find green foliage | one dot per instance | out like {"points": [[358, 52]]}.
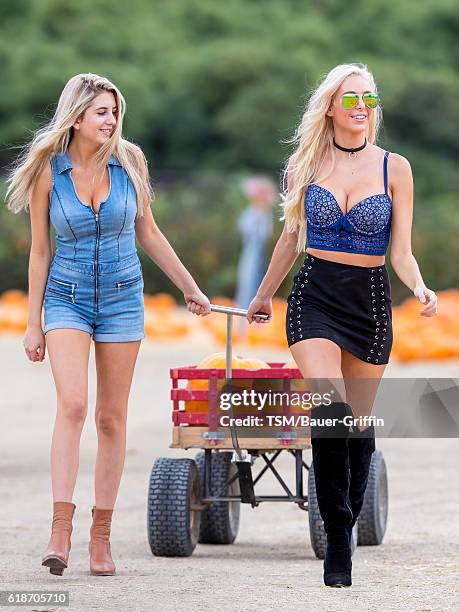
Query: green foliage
{"points": [[213, 88]]}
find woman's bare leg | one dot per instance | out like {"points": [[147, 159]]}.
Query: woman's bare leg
{"points": [[68, 351], [115, 362], [319, 360], [362, 381]]}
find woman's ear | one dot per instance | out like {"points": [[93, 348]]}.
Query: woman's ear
{"points": [[77, 123]]}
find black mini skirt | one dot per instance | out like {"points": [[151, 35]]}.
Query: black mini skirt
{"points": [[350, 305]]}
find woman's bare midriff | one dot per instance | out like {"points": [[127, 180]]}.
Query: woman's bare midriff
{"points": [[354, 259]]}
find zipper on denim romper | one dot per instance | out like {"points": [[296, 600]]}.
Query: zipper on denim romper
{"points": [[127, 283], [65, 285], [96, 284]]}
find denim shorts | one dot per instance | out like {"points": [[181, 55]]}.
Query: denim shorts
{"points": [[106, 302]]}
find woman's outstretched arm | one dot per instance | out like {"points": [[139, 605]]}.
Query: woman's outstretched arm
{"points": [[157, 247]]}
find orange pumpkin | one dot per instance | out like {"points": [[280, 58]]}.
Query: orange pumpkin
{"points": [[14, 297], [159, 301], [13, 311], [218, 361], [418, 337], [165, 325], [13, 318]]}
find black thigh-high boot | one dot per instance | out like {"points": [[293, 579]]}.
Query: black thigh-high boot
{"points": [[331, 470], [361, 447]]}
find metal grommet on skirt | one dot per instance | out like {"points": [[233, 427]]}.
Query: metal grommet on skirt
{"points": [[350, 305], [295, 299]]}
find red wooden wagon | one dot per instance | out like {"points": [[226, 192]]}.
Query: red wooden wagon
{"points": [[191, 500]]}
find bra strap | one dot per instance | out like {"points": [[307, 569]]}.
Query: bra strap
{"points": [[386, 155]]}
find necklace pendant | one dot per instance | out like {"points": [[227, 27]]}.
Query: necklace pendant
{"points": [[352, 155]]}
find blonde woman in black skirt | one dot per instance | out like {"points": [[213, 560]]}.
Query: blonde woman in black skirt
{"points": [[347, 197]]}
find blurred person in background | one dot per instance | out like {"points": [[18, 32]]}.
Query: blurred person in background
{"points": [[80, 175], [345, 196], [255, 226]]}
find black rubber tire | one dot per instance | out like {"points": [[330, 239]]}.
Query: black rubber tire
{"points": [[220, 521], [173, 527], [316, 524], [373, 516]]}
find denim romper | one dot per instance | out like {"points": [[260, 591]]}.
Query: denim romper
{"points": [[95, 280]]}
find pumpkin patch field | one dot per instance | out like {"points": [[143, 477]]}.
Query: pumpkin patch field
{"points": [[415, 337]]}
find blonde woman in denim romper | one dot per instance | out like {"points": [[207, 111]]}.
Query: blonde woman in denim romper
{"points": [[81, 176]]}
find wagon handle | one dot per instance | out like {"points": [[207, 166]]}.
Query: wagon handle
{"points": [[230, 312], [241, 312]]}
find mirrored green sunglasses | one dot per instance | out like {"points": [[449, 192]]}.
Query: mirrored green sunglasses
{"points": [[350, 100]]}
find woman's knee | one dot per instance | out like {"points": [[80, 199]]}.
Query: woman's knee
{"points": [[319, 360], [73, 408], [110, 423]]}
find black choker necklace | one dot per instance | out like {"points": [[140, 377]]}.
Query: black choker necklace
{"points": [[351, 151]]}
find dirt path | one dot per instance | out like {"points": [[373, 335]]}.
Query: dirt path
{"points": [[271, 566]]}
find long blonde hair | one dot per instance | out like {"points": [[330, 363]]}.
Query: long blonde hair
{"points": [[314, 140], [76, 97]]}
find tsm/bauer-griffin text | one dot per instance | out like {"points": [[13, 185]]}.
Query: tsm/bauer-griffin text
{"points": [[302, 420]]}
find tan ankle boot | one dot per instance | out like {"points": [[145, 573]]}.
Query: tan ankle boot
{"points": [[57, 554], [100, 557]]}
